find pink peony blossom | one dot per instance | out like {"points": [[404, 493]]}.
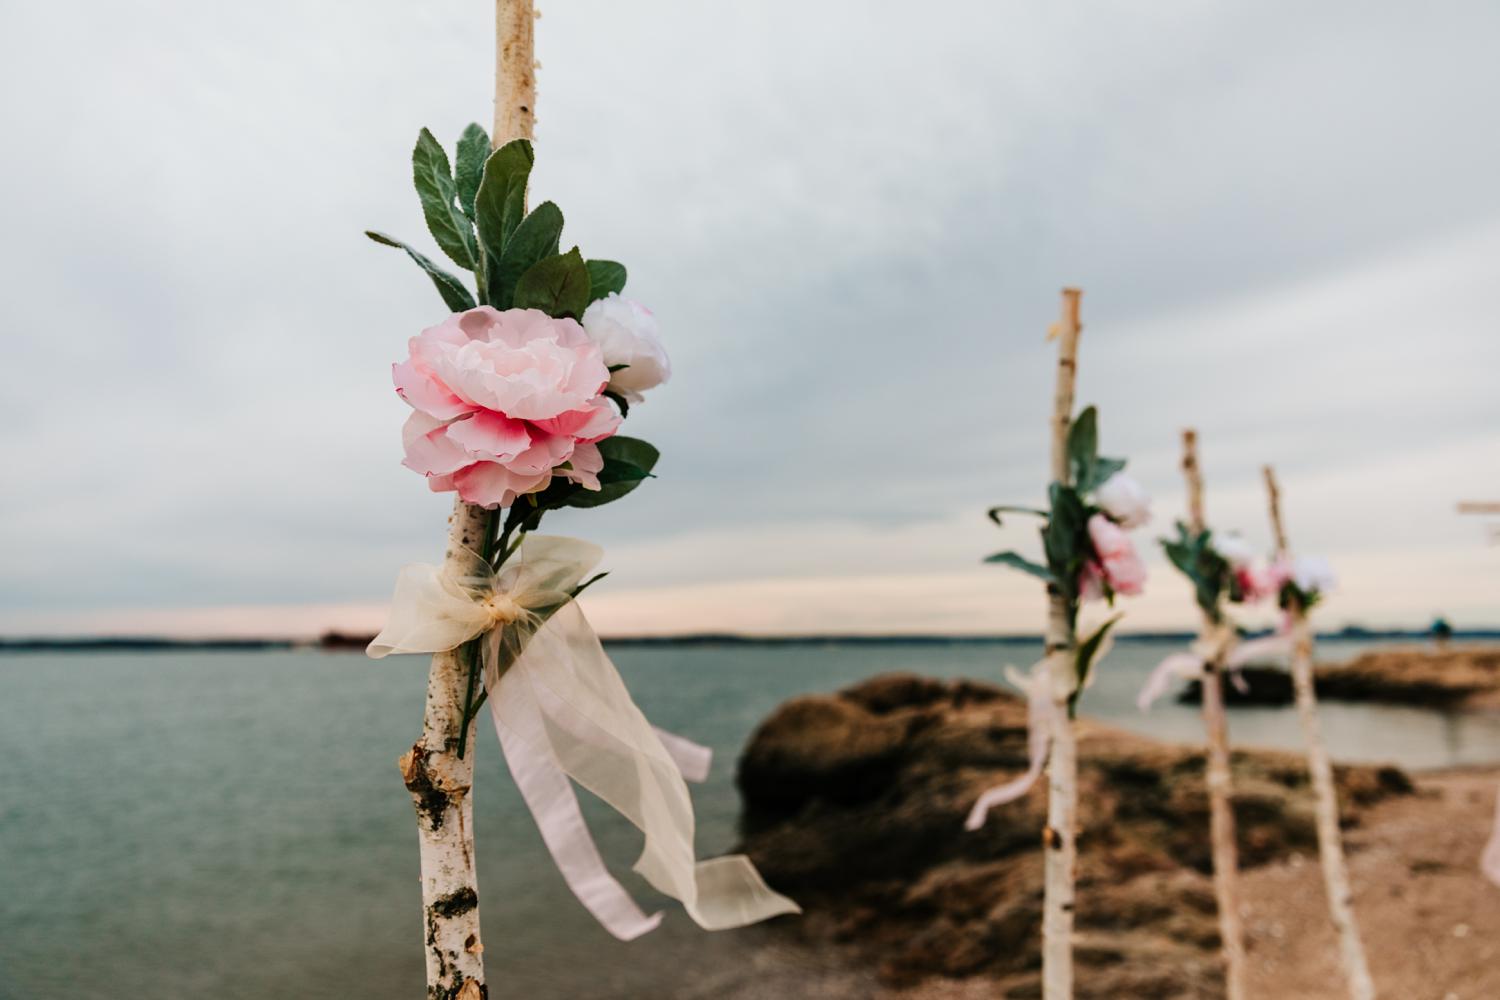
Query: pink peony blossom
{"points": [[1118, 560], [1258, 582], [503, 401]]}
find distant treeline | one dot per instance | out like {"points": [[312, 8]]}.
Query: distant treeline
{"points": [[338, 640]]}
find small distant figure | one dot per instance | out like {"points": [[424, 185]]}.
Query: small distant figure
{"points": [[1442, 632]]}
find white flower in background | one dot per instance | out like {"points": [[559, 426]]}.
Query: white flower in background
{"points": [[1313, 574], [1234, 549], [1125, 501], [626, 332]]}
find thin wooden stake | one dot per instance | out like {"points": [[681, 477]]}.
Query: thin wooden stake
{"points": [[1330, 841], [1215, 723], [1060, 844], [439, 780]]}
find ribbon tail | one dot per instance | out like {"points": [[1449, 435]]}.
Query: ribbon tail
{"points": [[598, 737], [1161, 678], [1271, 647], [693, 759], [1039, 718], [1489, 862], [550, 797]]}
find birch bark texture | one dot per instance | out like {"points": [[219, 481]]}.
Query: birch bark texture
{"points": [[1060, 838], [1320, 769], [1216, 726], [440, 782]]}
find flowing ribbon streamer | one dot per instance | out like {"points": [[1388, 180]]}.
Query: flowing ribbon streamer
{"points": [[561, 712], [1041, 716], [1489, 862], [1222, 645]]}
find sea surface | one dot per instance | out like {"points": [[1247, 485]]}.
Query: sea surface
{"points": [[231, 824]]}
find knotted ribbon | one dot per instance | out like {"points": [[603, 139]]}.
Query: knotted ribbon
{"points": [[1047, 687], [561, 711], [1221, 645]]}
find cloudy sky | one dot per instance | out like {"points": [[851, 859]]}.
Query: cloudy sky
{"points": [[852, 220]]}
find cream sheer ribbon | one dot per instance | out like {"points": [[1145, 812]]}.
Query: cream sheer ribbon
{"points": [[1222, 644], [1044, 687], [562, 712]]}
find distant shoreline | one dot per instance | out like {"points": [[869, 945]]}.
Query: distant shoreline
{"points": [[335, 641]]}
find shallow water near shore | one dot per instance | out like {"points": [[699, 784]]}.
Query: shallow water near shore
{"points": [[232, 824]]}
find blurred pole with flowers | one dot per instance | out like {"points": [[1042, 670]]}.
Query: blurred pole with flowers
{"points": [[1088, 557], [1221, 809], [1299, 592]]}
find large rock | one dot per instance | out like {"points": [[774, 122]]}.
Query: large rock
{"points": [[1452, 678], [854, 804]]}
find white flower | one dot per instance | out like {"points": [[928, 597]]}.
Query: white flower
{"points": [[1313, 574], [626, 332], [1125, 501], [1235, 549]]}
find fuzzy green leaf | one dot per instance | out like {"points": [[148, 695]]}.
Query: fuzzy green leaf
{"points": [[627, 463], [438, 194], [1065, 539], [534, 240], [454, 294], [1083, 447], [994, 512], [468, 166], [605, 276], [1088, 650], [557, 285], [500, 202], [1017, 561]]}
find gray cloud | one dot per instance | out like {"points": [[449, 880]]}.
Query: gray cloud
{"points": [[852, 221]]}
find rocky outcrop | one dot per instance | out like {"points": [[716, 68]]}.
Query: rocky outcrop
{"points": [[854, 804], [1454, 678]]}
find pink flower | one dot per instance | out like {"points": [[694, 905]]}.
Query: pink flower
{"points": [[1257, 583], [503, 401], [1120, 564]]}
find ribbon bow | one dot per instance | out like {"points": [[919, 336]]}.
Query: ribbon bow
{"points": [[1222, 645], [562, 712]]}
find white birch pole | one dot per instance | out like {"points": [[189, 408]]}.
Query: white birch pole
{"points": [[439, 780], [1059, 839], [1220, 808], [1330, 841]]}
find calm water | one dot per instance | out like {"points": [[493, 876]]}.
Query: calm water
{"points": [[232, 825]]}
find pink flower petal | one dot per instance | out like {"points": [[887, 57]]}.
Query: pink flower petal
{"points": [[422, 391], [585, 466], [489, 484], [490, 435], [594, 422], [430, 449]]}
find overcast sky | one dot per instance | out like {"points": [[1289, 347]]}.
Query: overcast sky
{"points": [[852, 220]]}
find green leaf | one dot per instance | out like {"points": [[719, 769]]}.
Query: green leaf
{"points": [[994, 512], [534, 240], [500, 202], [454, 294], [558, 286], [1100, 472], [435, 187], [605, 276], [627, 463], [1194, 556], [1017, 561], [1065, 539], [468, 166], [1083, 447], [1084, 659]]}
